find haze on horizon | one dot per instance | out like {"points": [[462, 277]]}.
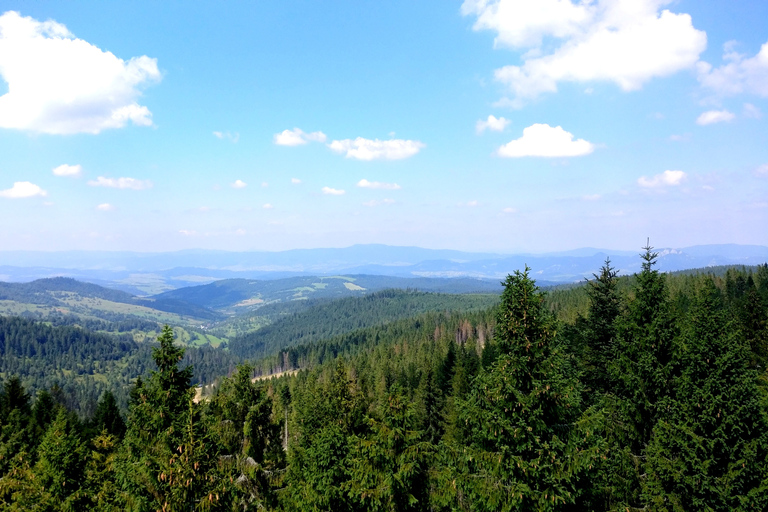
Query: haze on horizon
{"points": [[500, 126]]}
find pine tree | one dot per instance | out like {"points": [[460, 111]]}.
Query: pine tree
{"points": [[643, 374], [388, 467], [167, 459], [60, 466], [710, 451], [600, 335], [526, 451], [107, 417], [647, 365]]}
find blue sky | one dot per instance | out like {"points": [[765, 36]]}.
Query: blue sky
{"points": [[265, 126]]}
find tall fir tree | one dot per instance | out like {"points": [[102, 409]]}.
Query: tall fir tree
{"points": [[710, 451], [525, 450]]}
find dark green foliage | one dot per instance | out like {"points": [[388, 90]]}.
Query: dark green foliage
{"points": [[330, 319], [627, 393], [525, 450], [107, 417], [709, 450], [388, 467], [600, 328]]}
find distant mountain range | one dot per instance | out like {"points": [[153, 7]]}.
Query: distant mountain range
{"points": [[153, 273]]}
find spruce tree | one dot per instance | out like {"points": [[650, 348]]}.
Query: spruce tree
{"points": [[60, 466], [388, 467], [710, 451], [525, 450], [600, 335], [168, 460]]}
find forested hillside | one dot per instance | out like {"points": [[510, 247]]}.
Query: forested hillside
{"points": [[327, 319], [644, 393]]}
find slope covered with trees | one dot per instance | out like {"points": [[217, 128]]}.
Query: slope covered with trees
{"points": [[645, 395]]}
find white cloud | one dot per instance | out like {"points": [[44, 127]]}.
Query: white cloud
{"points": [[238, 184], [627, 42], [665, 179], [333, 191], [23, 189], [367, 149], [226, 135], [375, 202], [240, 232], [72, 171], [105, 207], [60, 84], [187, 232], [762, 171], [509, 210], [129, 183], [267, 206], [297, 137], [296, 181], [714, 116], [591, 197], [378, 185], [545, 141], [492, 123], [752, 111], [739, 75], [264, 184]]}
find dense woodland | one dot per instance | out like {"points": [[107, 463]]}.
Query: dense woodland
{"points": [[641, 393]]}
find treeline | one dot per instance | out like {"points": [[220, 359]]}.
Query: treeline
{"points": [[649, 400]]}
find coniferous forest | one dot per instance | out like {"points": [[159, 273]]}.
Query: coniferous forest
{"points": [[647, 392]]}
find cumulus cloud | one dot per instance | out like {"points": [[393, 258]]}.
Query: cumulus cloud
{"points": [[188, 232], [23, 189], [738, 75], [333, 191], [367, 149], [129, 183], [234, 137], [714, 116], [545, 141], [59, 84], [72, 171], [665, 179], [378, 185], [295, 181], [267, 206], [627, 42], [492, 123], [105, 207], [297, 137], [238, 184]]}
